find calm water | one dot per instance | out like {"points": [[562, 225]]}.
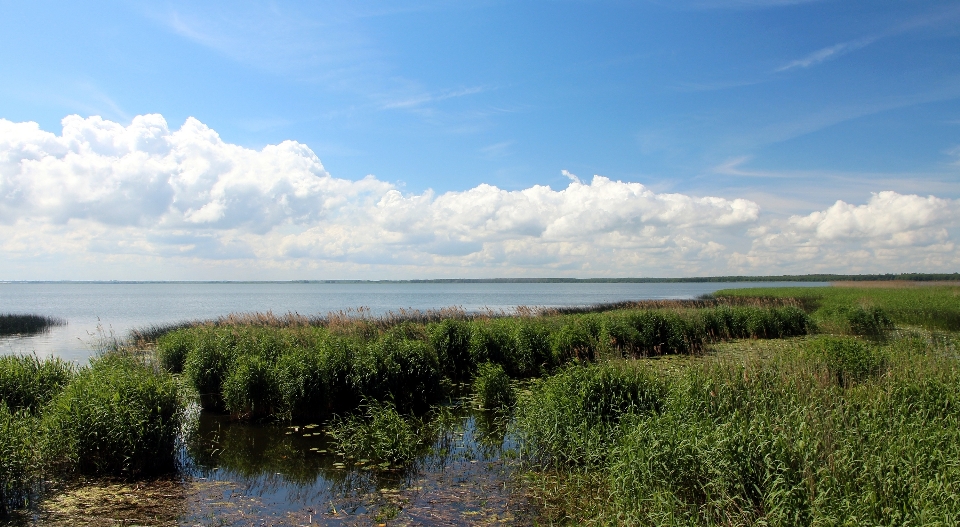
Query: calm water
{"points": [[119, 307]]}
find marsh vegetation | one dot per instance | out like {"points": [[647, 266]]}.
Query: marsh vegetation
{"points": [[26, 324], [782, 406]]}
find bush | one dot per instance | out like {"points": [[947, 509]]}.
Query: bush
{"points": [[117, 417], [27, 382], [491, 387]]}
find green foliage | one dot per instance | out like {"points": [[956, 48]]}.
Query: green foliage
{"points": [[378, 433], [770, 441], [173, 347], [28, 383], [117, 417], [451, 341], [930, 307], [848, 360], [19, 457], [491, 387], [868, 321], [309, 372], [569, 418]]}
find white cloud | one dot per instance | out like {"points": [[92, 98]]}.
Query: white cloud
{"points": [[144, 198]]}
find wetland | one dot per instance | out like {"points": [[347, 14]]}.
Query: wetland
{"points": [[756, 406]]}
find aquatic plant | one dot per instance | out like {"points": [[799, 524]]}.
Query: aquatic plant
{"points": [[19, 457], [491, 387], [26, 382], [378, 433], [570, 418], [27, 324], [307, 372], [831, 431], [117, 417]]}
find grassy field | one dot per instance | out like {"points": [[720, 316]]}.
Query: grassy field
{"points": [[934, 307]]}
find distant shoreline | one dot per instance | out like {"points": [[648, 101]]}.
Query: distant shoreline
{"points": [[903, 277]]}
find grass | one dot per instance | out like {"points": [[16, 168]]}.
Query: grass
{"points": [[26, 324], [256, 368], [837, 429], [838, 309], [116, 417], [28, 383]]}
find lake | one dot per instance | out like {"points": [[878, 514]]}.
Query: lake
{"points": [[96, 310]]}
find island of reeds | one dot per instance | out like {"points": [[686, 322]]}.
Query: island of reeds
{"points": [[795, 406], [26, 324]]}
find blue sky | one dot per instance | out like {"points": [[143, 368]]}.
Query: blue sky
{"points": [[788, 105]]}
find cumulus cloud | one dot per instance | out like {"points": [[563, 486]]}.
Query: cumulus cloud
{"points": [[146, 195]]}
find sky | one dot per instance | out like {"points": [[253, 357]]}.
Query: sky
{"points": [[477, 138]]}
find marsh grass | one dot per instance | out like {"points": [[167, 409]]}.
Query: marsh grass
{"points": [[27, 324], [492, 389], [933, 307], [824, 431], [19, 458], [117, 417], [28, 383], [378, 434], [292, 369]]}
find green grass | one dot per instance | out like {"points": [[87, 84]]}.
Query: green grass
{"points": [[307, 372], [835, 308], [822, 431], [19, 457], [491, 387], [117, 417], [28, 383]]}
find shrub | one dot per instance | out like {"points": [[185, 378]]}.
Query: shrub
{"points": [[117, 417], [29, 383], [491, 387]]}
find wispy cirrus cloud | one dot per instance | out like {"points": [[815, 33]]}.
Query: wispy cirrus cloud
{"points": [[827, 53]]}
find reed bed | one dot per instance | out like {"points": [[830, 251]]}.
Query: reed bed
{"points": [[27, 324], [255, 368], [116, 417]]}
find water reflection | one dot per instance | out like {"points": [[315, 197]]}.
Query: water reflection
{"points": [[281, 472]]}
